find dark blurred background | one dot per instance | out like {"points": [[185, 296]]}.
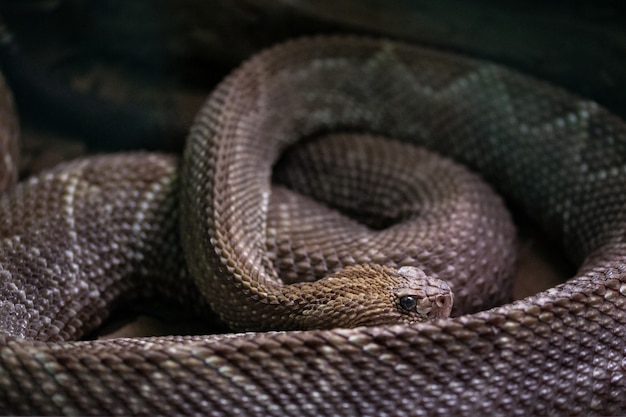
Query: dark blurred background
{"points": [[164, 55]]}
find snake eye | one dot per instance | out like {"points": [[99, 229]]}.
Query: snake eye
{"points": [[408, 302]]}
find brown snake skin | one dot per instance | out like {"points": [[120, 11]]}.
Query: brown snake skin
{"points": [[557, 157]]}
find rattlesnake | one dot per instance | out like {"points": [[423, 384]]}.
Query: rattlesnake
{"points": [[557, 157]]}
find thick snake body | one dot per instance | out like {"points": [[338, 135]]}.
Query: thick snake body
{"points": [[557, 157]]}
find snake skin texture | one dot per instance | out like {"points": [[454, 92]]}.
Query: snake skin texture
{"points": [[557, 157]]}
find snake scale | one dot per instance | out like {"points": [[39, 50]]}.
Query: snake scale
{"points": [[557, 157]]}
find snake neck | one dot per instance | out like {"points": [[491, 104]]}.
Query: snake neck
{"points": [[362, 295]]}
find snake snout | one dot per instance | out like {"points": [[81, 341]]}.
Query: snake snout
{"points": [[442, 306]]}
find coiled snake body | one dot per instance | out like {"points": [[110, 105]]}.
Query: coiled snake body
{"points": [[560, 158]]}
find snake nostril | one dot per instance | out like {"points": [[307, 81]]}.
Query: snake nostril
{"points": [[441, 301], [441, 307]]}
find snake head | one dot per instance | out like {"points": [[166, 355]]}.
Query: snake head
{"points": [[427, 297]]}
